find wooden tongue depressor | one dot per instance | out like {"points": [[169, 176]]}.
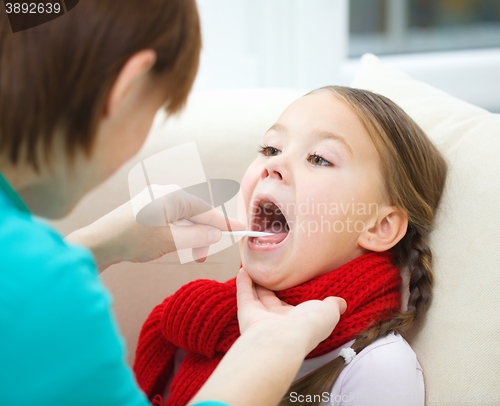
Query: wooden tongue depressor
{"points": [[246, 233]]}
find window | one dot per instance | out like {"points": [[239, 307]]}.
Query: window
{"points": [[453, 45], [408, 26]]}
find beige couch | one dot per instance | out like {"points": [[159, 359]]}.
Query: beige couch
{"points": [[458, 342]]}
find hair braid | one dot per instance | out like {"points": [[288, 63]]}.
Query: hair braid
{"points": [[419, 264]]}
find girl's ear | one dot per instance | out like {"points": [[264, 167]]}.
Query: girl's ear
{"points": [[387, 229]]}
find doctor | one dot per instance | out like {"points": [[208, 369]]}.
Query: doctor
{"points": [[77, 99]]}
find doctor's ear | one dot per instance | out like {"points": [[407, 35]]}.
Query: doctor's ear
{"points": [[386, 230], [134, 68]]}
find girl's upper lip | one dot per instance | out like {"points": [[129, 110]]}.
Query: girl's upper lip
{"points": [[267, 198]]}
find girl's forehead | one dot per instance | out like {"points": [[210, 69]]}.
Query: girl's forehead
{"points": [[321, 108], [321, 112], [323, 120]]}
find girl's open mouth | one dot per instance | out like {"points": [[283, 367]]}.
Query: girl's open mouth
{"points": [[267, 217]]}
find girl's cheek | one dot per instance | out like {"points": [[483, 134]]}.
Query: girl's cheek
{"points": [[248, 184], [242, 212]]}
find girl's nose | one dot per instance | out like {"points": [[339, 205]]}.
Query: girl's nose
{"points": [[266, 173], [274, 170]]}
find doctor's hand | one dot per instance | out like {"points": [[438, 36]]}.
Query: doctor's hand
{"points": [[118, 237], [309, 322], [275, 338]]}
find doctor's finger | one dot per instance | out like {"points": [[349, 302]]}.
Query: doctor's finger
{"points": [[245, 289], [267, 297], [200, 254], [182, 205], [215, 218], [195, 236]]}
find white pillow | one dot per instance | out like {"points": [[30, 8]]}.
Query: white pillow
{"points": [[458, 342]]}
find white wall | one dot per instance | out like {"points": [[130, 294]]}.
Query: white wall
{"points": [[271, 43], [304, 44]]}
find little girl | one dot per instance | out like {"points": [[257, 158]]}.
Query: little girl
{"points": [[348, 184]]}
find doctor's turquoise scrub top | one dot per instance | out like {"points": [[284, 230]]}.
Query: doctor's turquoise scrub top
{"points": [[59, 340]]}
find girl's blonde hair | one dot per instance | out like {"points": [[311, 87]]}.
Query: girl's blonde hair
{"points": [[414, 172]]}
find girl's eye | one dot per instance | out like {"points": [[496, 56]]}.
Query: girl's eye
{"points": [[266, 150], [318, 160]]}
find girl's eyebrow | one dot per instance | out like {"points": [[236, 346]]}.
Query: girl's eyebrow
{"points": [[277, 127], [327, 135], [322, 135]]}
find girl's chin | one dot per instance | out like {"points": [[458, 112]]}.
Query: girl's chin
{"points": [[263, 275]]}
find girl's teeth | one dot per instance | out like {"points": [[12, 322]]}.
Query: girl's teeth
{"points": [[254, 240], [266, 205]]}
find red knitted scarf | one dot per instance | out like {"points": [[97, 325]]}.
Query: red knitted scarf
{"points": [[201, 318]]}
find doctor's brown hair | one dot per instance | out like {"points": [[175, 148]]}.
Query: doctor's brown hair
{"points": [[414, 172], [56, 77]]}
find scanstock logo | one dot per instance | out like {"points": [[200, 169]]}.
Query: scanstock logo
{"points": [[24, 15], [176, 175]]}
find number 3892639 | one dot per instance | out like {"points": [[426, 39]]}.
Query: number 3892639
{"points": [[33, 8]]}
